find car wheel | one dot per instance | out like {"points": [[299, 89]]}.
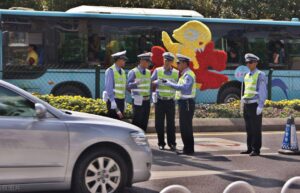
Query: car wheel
{"points": [[100, 171], [230, 94]]}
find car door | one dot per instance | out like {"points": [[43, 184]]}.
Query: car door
{"points": [[32, 150]]}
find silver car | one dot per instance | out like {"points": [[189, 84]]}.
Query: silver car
{"points": [[43, 148]]}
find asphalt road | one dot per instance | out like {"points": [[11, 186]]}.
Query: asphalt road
{"points": [[218, 163]]}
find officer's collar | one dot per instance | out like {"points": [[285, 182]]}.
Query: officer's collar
{"points": [[185, 70], [168, 70], [117, 67], [140, 68], [253, 72]]}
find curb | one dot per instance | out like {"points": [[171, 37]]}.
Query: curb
{"points": [[227, 125]]}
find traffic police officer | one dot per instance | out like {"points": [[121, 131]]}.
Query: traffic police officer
{"points": [[254, 97], [165, 104], [185, 94], [139, 84], [115, 86]]}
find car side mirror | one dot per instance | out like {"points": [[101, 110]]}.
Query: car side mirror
{"points": [[40, 110]]}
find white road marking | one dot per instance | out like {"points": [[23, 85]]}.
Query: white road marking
{"points": [[157, 175]]}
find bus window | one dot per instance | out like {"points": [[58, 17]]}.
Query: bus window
{"points": [[293, 48], [95, 49], [230, 38], [23, 45], [268, 44], [133, 36], [22, 49], [144, 45], [72, 40], [277, 55]]}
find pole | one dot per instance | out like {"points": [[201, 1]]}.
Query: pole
{"points": [[241, 101], [270, 84], [97, 81]]}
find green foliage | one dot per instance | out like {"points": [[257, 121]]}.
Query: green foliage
{"points": [[250, 9], [279, 109], [81, 104]]}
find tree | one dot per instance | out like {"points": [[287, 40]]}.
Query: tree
{"points": [[246, 9], [5, 4]]}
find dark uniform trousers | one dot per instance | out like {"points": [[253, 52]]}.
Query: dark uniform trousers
{"points": [[165, 108], [141, 115], [112, 112], [253, 127], [186, 113]]}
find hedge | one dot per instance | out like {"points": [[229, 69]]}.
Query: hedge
{"points": [[272, 109], [81, 104], [278, 109]]}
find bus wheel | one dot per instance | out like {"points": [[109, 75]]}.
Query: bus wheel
{"points": [[230, 94], [72, 90]]}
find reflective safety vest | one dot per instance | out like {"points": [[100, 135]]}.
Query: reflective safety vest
{"points": [[143, 88], [166, 91], [251, 85], [181, 81], [120, 83]]}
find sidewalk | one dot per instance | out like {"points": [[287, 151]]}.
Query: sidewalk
{"points": [[227, 125]]}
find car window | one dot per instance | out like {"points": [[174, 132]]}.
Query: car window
{"points": [[12, 104]]}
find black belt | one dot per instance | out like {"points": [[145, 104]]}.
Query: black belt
{"points": [[191, 99], [165, 98]]}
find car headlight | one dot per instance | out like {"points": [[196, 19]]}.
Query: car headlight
{"points": [[139, 138]]}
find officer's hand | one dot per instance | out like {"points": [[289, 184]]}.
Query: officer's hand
{"points": [[154, 97], [156, 82], [113, 105], [105, 96], [137, 82], [168, 83], [259, 110], [120, 115]]}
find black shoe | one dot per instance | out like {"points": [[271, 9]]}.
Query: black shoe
{"points": [[161, 147], [181, 152], [172, 147], [254, 153], [246, 152]]}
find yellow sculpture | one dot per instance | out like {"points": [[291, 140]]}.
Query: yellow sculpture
{"points": [[191, 36]]}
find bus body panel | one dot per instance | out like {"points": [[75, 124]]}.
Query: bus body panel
{"points": [[45, 83], [146, 17], [286, 81]]}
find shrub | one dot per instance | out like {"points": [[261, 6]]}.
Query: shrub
{"points": [[273, 109], [81, 104]]}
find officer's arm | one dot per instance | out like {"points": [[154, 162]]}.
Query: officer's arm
{"points": [[262, 90], [188, 82], [154, 78], [130, 82], [109, 84]]}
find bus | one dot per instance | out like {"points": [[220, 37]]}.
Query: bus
{"points": [[70, 45]]}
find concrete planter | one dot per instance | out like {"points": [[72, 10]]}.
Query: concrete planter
{"points": [[227, 125]]}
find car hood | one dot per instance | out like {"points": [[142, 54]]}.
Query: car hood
{"points": [[90, 118]]}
